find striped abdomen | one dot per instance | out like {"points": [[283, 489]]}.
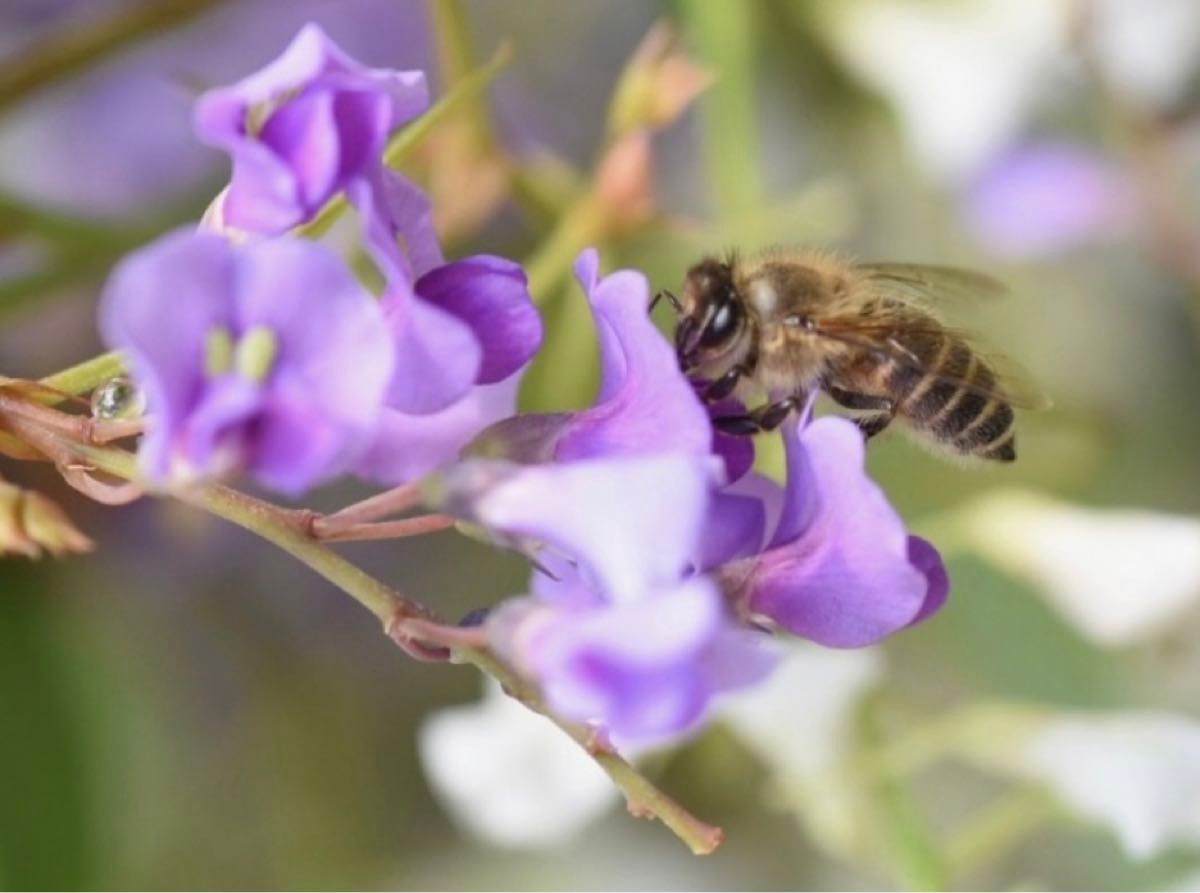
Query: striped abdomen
{"points": [[951, 395]]}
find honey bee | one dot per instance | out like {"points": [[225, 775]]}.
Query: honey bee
{"points": [[791, 322]]}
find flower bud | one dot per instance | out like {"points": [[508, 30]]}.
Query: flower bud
{"points": [[31, 523], [658, 84]]}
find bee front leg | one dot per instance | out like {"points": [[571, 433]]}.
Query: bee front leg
{"points": [[765, 418]]}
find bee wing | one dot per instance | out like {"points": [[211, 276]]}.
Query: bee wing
{"points": [[930, 284], [886, 342]]}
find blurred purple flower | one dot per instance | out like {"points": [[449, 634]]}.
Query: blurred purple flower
{"points": [[621, 636], [462, 336], [645, 405], [840, 568], [1038, 200], [308, 125], [269, 358]]}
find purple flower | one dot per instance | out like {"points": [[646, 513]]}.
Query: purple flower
{"points": [[840, 567], [1043, 199], [462, 335], [645, 404], [270, 357], [303, 128], [621, 636]]}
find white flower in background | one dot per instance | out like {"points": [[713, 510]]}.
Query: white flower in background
{"points": [[962, 76], [510, 777], [800, 725], [1119, 575], [966, 77], [1148, 49], [1137, 773]]}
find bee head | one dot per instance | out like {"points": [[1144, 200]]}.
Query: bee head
{"points": [[712, 313]]}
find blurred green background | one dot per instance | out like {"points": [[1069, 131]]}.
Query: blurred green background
{"points": [[186, 707]]}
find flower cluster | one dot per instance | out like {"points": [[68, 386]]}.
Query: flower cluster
{"points": [[664, 563], [260, 351], [661, 570]]}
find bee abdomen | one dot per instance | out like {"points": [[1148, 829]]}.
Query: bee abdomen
{"points": [[959, 404]]}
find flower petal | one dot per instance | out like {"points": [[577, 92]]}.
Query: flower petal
{"points": [[633, 521], [846, 580], [332, 339], [491, 295], [408, 447], [437, 355], [645, 404], [531, 786], [158, 306], [925, 558]]}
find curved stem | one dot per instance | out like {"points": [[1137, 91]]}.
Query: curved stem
{"points": [[290, 531]]}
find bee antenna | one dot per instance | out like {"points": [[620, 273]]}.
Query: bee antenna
{"points": [[670, 296]]}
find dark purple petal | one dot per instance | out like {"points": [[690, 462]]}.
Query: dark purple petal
{"points": [[437, 355], [645, 404], [159, 305], [1042, 199], [632, 521], [845, 580], [491, 295], [925, 558], [408, 447], [214, 434], [736, 452], [304, 137]]}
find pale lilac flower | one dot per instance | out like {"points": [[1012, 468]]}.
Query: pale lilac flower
{"points": [[621, 635], [269, 358], [462, 337], [1042, 199], [310, 125], [840, 568]]}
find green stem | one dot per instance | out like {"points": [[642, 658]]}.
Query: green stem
{"points": [[723, 36], [997, 829], [280, 527], [918, 860], [88, 375], [642, 797], [62, 56]]}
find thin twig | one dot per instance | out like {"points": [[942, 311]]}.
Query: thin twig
{"points": [[389, 502], [384, 530]]}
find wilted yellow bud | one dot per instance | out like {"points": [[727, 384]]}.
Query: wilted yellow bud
{"points": [[31, 523], [658, 84]]}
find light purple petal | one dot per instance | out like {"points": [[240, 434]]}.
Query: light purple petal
{"points": [[925, 558], [734, 528], [297, 443], [846, 579], [158, 306], [1042, 199], [643, 671], [408, 447], [491, 295], [645, 403], [437, 355], [410, 213], [326, 119], [332, 338], [660, 502]]}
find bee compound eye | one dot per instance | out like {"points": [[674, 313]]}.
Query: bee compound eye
{"points": [[721, 325]]}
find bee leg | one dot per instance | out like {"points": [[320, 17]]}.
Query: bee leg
{"points": [[856, 400], [871, 425], [772, 415], [737, 425], [724, 386]]}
